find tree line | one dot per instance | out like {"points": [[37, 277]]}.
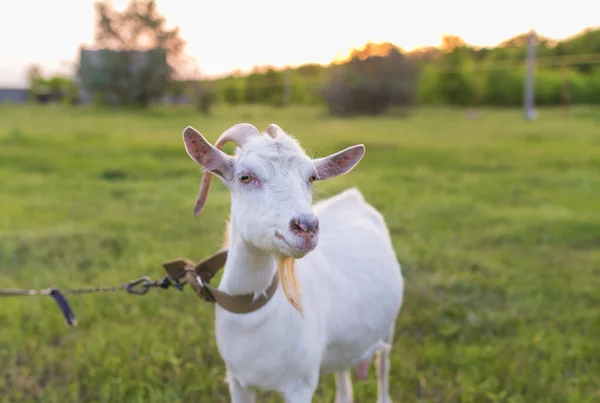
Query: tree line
{"points": [[456, 73], [138, 60]]}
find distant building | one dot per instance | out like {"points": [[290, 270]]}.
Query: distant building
{"points": [[95, 72], [14, 95], [93, 57]]}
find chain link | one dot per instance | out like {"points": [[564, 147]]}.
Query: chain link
{"points": [[138, 286]]}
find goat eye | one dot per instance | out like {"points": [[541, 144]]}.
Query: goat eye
{"points": [[312, 178], [245, 178]]}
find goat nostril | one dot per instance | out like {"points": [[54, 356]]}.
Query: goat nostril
{"points": [[297, 226], [304, 225]]}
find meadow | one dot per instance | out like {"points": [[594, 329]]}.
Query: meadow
{"points": [[496, 222]]}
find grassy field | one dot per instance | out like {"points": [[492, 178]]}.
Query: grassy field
{"points": [[496, 223]]}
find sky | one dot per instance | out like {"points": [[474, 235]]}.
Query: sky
{"points": [[226, 35]]}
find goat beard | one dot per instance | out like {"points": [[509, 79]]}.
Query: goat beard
{"points": [[286, 271]]}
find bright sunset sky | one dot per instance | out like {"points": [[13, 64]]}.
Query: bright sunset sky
{"points": [[228, 35]]}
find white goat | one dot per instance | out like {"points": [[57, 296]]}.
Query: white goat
{"points": [[351, 283]]}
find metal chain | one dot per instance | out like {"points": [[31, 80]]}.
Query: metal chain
{"points": [[138, 286]]}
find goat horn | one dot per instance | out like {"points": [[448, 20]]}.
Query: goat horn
{"points": [[239, 134], [272, 130]]}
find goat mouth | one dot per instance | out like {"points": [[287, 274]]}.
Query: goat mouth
{"points": [[287, 243], [279, 236]]}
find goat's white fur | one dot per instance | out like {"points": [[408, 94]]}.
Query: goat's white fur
{"points": [[351, 285]]}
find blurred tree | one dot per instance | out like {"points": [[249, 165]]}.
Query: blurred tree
{"points": [[176, 89], [274, 87], [373, 84], [586, 43], [137, 55], [140, 27], [372, 49], [457, 84], [36, 82], [34, 74], [452, 73], [451, 42], [256, 91]]}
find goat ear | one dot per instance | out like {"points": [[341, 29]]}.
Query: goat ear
{"points": [[207, 155], [339, 163]]}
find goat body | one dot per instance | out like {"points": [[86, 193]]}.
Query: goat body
{"points": [[352, 292], [351, 286]]}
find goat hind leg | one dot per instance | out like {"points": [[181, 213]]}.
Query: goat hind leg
{"points": [[343, 387], [382, 364]]}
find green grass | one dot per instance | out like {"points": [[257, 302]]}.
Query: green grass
{"points": [[496, 223]]}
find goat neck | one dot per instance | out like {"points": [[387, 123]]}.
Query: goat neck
{"points": [[248, 269]]}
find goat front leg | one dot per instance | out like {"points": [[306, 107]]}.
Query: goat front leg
{"points": [[343, 387], [239, 394], [300, 392]]}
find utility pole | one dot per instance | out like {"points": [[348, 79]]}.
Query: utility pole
{"points": [[529, 96], [287, 90]]}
